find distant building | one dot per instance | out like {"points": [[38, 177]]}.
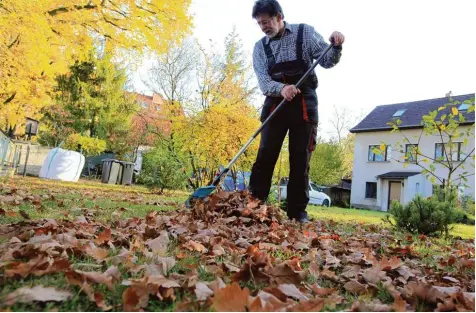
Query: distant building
{"points": [[377, 179]]}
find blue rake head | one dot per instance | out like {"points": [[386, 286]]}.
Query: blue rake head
{"points": [[198, 194]]}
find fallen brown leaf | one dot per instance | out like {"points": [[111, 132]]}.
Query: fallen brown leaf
{"points": [[399, 305], [292, 291], [355, 287], [321, 291], [202, 291], [313, 305], [231, 298], [24, 215], [104, 236], [159, 245], [37, 293], [97, 253]]}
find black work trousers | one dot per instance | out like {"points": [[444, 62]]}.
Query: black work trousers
{"points": [[292, 117]]}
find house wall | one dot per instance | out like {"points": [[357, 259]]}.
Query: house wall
{"points": [[366, 171]]}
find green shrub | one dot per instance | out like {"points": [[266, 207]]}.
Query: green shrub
{"points": [[467, 204], [89, 146], [162, 170], [428, 216], [462, 217]]}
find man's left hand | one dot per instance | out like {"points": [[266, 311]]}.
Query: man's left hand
{"points": [[337, 39]]}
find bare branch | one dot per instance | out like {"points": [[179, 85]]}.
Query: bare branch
{"points": [[57, 11], [14, 42], [464, 160]]}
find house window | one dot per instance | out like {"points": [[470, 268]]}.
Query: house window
{"points": [[411, 153], [371, 190], [379, 157], [144, 104], [463, 107], [457, 153], [399, 113]]}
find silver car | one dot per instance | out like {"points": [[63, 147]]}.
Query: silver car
{"points": [[316, 194]]}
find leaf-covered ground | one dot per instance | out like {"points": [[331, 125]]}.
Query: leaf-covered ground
{"points": [[97, 247]]}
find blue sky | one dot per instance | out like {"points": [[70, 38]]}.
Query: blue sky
{"points": [[395, 51]]}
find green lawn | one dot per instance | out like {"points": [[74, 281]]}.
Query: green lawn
{"points": [[137, 201], [373, 217]]}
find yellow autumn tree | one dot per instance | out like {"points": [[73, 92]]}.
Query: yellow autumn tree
{"points": [[40, 39], [214, 136]]}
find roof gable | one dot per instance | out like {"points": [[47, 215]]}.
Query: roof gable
{"points": [[411, 116]]}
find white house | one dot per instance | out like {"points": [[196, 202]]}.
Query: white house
{"points": [[380, 178]]}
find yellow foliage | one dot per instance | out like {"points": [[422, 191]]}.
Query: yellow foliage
{"points": [[39, 39], [89, 146], [215, 135]]}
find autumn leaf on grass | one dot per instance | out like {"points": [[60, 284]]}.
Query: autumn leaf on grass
{"points": [[459, 301], [77, 279], [99, 299], [24, 215], [231, 298], [292, 291], [98, 254], [466, 263], [11, 213], [321, 291], [355, 287], [37, 293], [374, 306], [103, 237], [252, 269], [39, 266], [399, 305], [266, 302], [202, 291], [284, 273], [195, 246], [384, 264], [159, 244], [217, 284], [373, 275], [313, 305], [108, 278], [165, 264], [134, 299], [405, 272]]}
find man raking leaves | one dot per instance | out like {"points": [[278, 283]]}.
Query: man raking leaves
{"points": [[282, 61]]}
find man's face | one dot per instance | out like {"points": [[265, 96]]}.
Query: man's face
{"points": [[269, 25]]}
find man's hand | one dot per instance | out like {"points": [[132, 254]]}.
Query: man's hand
{"points": [[289, 92], [337, 38]]}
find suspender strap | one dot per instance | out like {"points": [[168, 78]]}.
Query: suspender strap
{"points": [[269, 54], [299, 42]]}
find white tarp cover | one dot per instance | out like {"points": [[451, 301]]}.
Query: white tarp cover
{"points": [[62, 165]]}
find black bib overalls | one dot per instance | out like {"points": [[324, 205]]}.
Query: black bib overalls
{"points": [[300, 118]]}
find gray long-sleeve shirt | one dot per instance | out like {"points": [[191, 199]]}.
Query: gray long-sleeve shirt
{"points": [[284, 49]]}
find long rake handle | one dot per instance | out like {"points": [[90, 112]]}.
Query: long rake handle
{"points": [[243, 149]]}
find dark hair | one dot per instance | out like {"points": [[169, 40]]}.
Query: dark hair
{"points": [[271, 7]]}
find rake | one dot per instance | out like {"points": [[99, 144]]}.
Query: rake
{"points": [[205, 191]]}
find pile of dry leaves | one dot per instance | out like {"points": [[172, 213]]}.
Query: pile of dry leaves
{"points": [[260, 261]]}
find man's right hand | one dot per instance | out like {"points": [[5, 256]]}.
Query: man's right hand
{"points": [[289, 92]]}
